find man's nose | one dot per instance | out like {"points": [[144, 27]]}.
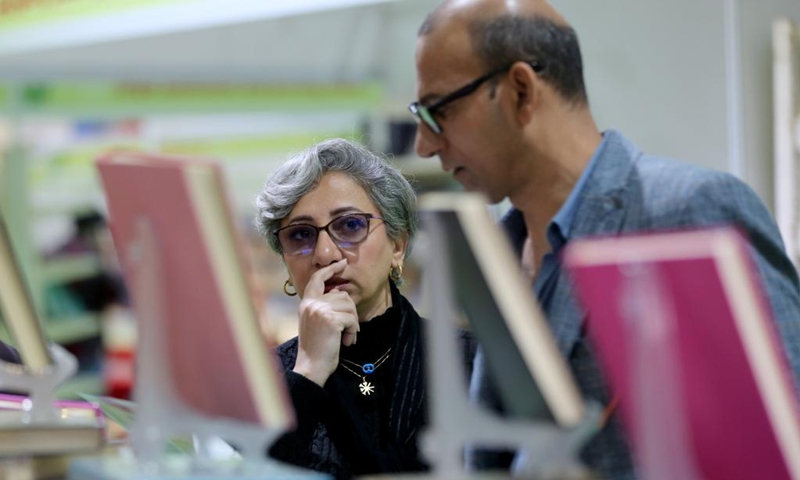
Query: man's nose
{"points": [[426, 143]]}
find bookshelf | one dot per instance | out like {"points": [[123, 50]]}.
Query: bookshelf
{"points": [[73, 328], [426, 172], [40, 271], [246, 155], [786, 130], [349, 76], [65, 268]]}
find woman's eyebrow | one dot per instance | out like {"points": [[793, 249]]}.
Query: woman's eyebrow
{"points": [[300, 218], [341, 210], [332, 213]]}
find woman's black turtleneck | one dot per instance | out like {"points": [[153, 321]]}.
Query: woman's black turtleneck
{"points": [[345, 433]]}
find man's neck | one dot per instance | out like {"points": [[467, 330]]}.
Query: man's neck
{"points": [[559, 164]]}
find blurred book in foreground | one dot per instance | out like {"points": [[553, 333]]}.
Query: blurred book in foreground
{"points": [[26, 462], [79, 428], [685, 334], [121, 414], [204, 369]]}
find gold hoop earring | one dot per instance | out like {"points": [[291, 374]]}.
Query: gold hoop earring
{"points": [[286, 286], [396, 273]]}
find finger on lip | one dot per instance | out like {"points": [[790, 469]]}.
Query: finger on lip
{"points": [[334, 283], [337, 266], [317, 282], [330, 271]]}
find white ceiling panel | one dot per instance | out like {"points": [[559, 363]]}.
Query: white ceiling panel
{"points": [[338, 45]]}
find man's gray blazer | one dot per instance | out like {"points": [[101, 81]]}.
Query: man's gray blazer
{"points": [[629, 191]]}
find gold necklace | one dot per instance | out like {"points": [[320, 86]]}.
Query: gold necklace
{"points": [[365, 387]]}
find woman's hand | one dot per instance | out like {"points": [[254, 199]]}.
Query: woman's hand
{"points": [[327, 320]]}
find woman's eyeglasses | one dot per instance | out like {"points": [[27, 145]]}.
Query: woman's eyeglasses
{"points": [[345, 231]]}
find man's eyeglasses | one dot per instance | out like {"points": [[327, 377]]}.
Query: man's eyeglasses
{"points": [[426, 114], [345, 231]]}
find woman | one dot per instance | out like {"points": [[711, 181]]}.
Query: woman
{"points": [[342, 218]]}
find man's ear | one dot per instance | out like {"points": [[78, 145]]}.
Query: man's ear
{"points": [[525, 91]]}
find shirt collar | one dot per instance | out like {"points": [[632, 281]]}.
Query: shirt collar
{"points": [[561, 224]]}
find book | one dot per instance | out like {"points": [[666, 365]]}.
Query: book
{"points": [[685, 337], [41, 467], [69, 434], [78, 427], [19, 310], [65, 408], [27, 426], [532, 377], [121, 414], [217, 361]]}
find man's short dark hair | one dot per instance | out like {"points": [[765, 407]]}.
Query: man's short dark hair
{"points": [[503, 40]]}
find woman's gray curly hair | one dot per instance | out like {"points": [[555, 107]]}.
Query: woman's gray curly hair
{"points": [[301, 173]]}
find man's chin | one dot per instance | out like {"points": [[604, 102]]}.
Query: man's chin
{"points": [[489, 198]]}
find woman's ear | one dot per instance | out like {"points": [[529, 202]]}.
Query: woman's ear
{"points": [[399, 245]]}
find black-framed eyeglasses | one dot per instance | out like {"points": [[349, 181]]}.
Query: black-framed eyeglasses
{"points": [[426, 114], [345, 231]]}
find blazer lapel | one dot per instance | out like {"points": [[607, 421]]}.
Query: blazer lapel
{"points": [[608, 199]]}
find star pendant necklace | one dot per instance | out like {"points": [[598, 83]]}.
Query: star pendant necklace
{"points": [[365, 387]]}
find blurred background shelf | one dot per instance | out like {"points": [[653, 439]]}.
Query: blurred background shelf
{"points": [[83, 383], [427, 172], [69, 267], [73, 328]]}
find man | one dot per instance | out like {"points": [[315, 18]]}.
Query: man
{"points": [[502, 103]]}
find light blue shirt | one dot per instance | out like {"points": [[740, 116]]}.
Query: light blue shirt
{"points": [[558, 234]]}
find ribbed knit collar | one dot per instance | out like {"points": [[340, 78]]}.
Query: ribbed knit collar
{"points": [[378, 335]]}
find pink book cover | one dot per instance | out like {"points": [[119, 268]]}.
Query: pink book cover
{"points": [[685, 337], [206, 361]]}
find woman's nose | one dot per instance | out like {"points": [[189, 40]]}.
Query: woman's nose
{"points": [[326, 251]]}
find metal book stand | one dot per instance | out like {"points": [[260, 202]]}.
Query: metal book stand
{"points": [[545, 449], [39, 384], [161, 415]]}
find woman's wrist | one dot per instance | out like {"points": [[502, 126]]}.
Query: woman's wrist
{"points": [[315, 374]]}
